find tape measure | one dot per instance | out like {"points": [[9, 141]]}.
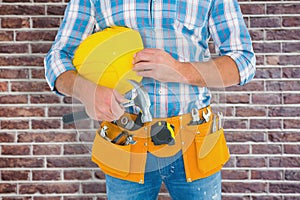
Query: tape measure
{"points": [[162, 132]]}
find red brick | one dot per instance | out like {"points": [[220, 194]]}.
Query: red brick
{"points": [[45, 22], [235, 124], [266, 174], [15, 175], [267, 73], [99, 175], [266, 149], [164, 197], [291, 98], [48, 188], [230, 163], [22, 10], [15, 22], [38, 74], [66, 162], [14, 124], [269, 197], [3, 86], [283, 34], [7, 137], [235, 174], [271, 60], [15, 1], [284, 136], [21, 112], [44, 98], [50, 149], [291, 47], [70, 149], [293, 175], [239, 148], [17, 198], [13, 99], [291, 149], [56, 9], [21, 60], [21, 162], [283, 8], [83, 198], [252, 86], [13, 48], [234, 187], [45, 124], [93, 188], [282, 188], [284, 111], [251, 162], [58, 111], [291, 72], [15, 150], [250, 111], [265, 123], [43, 175], [256, 35], [283, 85], [40, 48], [289, 59], [35, 35], [234, 98], [77, 175], [288, 162], [290, 21], [291, 123], [239, 136], [6, 35], [47, 137], [253, 9], [7, 188], [46, 198], [263, 98], [27, 86], [235, 197], [258, 22]]}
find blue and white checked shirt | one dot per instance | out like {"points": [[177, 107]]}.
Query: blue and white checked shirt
{"points": [[180, 27]]}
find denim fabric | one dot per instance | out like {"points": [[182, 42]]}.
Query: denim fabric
{"points": [[170, 171]]}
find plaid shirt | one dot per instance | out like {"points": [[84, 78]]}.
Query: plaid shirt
{"points": [[180, 27]]}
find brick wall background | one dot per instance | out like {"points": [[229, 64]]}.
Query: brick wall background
{"points": [[41, 158]]}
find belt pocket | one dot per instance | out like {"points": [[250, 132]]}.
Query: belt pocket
{"points": [[111, 157], [212, 151]]}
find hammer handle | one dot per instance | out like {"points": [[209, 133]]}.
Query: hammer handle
{"points": [[75, 116]]}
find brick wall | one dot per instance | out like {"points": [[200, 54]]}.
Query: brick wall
{"points": [[42, 158]]}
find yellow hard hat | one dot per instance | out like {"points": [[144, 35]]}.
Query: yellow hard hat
{"points": [[106, 57]]}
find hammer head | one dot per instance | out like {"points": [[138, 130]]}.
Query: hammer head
{"points": [[142, 100]]}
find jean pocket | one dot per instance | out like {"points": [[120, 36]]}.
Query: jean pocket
{"points": [[212, 151]]}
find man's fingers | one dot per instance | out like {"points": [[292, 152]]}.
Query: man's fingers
{"points": [[143, 67]]}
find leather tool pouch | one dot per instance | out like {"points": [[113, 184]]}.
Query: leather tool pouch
{"points": [[206, 153], [111, 157]]}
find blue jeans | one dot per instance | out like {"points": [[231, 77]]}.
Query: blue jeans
{"points": [[170, 171]]}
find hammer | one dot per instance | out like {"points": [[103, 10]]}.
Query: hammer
{"points": [[141, 99]]}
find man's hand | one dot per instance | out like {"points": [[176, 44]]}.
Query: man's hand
{"points": [[157, 64], [101, 103]]}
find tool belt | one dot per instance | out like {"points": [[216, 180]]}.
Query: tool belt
{"points": [[204, 152]]}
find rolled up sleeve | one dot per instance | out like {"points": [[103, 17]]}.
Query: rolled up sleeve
{"points": [[77, 24], [231, 37]]}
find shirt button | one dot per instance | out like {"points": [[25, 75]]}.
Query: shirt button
{"points": [[159, 92]]}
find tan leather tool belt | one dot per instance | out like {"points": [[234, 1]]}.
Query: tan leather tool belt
{"points": [[204, 152]]}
